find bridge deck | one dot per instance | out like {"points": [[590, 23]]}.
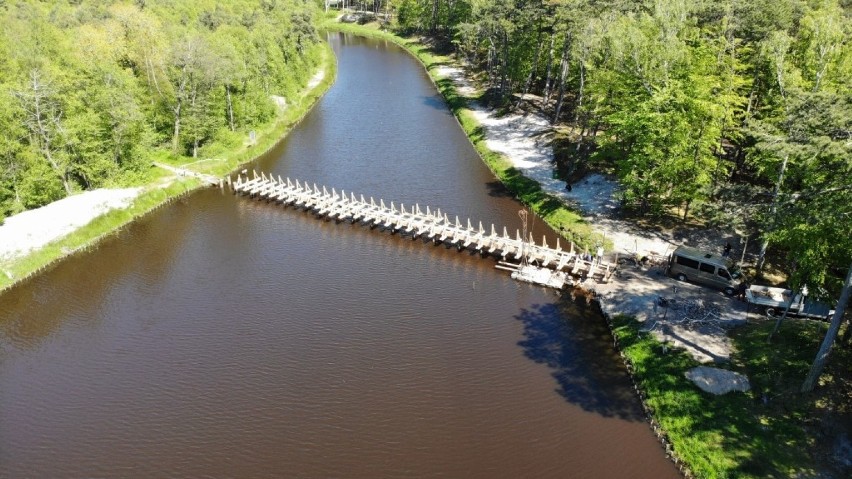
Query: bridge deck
{"points": [[552, 267]]}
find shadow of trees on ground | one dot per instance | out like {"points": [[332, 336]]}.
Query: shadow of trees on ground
{"points": [[571, 339], [752, 434]]}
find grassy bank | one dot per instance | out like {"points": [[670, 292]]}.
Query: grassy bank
{"points": [[528, 191], [228, 158], [769, 431]]}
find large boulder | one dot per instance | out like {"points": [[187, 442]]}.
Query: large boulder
{"points": [[717, 381]]}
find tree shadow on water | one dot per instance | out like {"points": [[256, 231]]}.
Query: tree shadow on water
{"points": [[572, 339]]}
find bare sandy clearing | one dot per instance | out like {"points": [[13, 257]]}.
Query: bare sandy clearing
{"points": [[524, 140], [33, 229]]}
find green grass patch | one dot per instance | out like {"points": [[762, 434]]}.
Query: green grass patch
{"points": [[226, 161], [528, 191], [762, 433]]}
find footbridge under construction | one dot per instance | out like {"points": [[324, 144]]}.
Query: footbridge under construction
{"points": [[527, 261]]}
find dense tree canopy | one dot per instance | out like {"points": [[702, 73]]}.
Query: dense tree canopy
{"points": [[90, 90], [696, 104]]}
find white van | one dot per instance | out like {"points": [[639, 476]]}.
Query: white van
{"points": [[704, 268]]}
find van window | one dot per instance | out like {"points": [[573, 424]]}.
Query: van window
{"points": [[691, 263], [724, 273], [708, 268]]}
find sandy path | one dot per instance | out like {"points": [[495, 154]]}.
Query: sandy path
{"points": [[523, 140], [33, 229]]}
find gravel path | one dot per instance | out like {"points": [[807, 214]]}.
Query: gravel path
{"points": [[523, 139], [33, 229]]}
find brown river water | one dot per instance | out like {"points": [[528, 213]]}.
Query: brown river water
{"points": [[224, 337]]}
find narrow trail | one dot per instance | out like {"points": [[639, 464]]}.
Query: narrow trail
{"points": [[524, 140]]}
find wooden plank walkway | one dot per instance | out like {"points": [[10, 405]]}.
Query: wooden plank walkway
{"points": [[552, 267]]}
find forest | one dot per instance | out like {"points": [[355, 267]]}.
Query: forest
{"points": [[91, 91], [738, 112]]}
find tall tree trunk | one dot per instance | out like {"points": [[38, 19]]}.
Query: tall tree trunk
{"points": [[580, 93], [562, 76], [830, 335], [783, 316], [193, 111], [504, 66], [176, 137], [548, 83], [434, 21], [230, 107], [44, 134], [761, 257], [532, 70]]}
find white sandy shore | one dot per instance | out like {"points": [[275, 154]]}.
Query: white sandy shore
{"points": [[523, 139], [33, 229]]}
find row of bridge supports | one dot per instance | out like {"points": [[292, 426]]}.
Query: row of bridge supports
{"points": [[428, 223]]}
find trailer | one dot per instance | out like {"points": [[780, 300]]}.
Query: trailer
{"points": [[775, 300]]}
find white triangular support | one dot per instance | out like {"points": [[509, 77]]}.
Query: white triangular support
{"points": [[505, 233], [382, 203], [493, 231], [558, 247]]}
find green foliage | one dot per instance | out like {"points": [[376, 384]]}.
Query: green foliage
{"points": [[40, 186], [688, 100], [90, 89], [528, 191], [755, 434]]}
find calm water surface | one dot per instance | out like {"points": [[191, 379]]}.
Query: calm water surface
{"points": [[222, 337]]}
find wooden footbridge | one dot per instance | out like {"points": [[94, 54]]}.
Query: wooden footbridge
{"points": [[538, 264]]}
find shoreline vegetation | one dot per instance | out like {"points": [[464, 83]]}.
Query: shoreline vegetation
{"points": [[156, 194], [769, 431], [528, 191]]}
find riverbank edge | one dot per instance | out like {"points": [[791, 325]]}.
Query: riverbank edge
{"points": [[503, 171], [693, 457], [154, 196], [548, 208]]}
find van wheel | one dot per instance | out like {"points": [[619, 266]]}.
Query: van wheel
{"points": [[681, 277], [729, 291]]}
